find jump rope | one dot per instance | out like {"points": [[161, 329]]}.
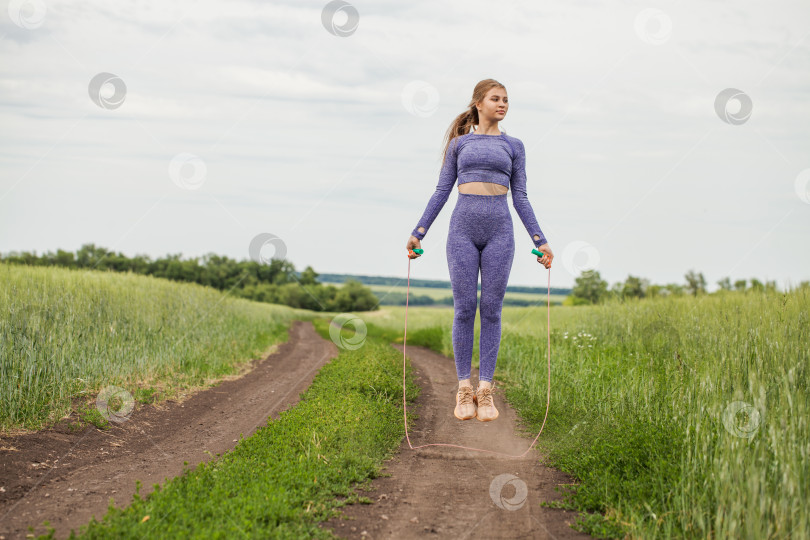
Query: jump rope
{"points": [[404, 341]]}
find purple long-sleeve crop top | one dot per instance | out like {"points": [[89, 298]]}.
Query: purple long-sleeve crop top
{"points": [[471, 157]]}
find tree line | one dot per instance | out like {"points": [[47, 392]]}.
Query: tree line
{"points": [[590, 288], [276, 282]]}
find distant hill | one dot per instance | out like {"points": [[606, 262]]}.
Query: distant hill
{"points": [[428, 283]]}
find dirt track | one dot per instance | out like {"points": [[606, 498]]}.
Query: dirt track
{"points": [[65, 478], [444, 492]]}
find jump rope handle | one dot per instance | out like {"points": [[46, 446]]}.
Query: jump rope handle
{"points": [[538, 253]]}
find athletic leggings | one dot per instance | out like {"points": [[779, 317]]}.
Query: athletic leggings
{"points": [[480, 237]]}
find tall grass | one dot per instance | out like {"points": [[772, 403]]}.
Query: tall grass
{"points": [[680, 417], [68, 333]]}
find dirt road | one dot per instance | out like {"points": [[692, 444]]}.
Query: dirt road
{"points": [[68, 477], [450, 492]]}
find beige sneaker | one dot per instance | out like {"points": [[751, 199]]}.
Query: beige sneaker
{"points": [[465, 403], [485, 410]]}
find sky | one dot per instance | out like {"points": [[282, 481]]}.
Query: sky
{"points": [[661, 137]]}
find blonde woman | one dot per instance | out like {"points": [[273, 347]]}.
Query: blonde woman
{"points": [[486, 162]]}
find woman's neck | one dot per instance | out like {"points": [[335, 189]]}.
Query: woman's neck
{"points": [[491, 129]]}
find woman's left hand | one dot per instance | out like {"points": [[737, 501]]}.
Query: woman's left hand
{"points": [[547, 257]]}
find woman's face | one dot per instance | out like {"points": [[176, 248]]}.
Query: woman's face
{"points": [[494, 106]]}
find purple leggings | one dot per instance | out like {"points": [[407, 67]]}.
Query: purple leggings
{"points": [[480, 237]]}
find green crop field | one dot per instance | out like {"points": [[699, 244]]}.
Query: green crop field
{"points": [[683, 417], [68, 333]]}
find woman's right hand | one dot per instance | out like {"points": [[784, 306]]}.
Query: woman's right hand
{"points": [[413, 243]]}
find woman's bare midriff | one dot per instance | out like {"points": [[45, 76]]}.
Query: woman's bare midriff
{"points": [[482, 188]]}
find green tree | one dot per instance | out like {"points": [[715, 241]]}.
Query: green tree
{"points": [[64, 258], [725, 284], [633, 287], [353, 296], [589, 286], [740, 284], [674, 289], [89, 256], [308, 276], [695, 282]]}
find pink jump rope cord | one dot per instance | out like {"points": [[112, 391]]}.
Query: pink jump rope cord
{"points": [[548, 397]]}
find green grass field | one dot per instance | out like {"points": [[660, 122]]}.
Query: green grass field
{"points": [[66, 334], [681, 417]]}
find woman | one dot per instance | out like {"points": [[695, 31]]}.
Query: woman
{"points": [[485, 162]]}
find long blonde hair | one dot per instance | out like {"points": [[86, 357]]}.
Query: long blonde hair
{"points": [[464, 121]]}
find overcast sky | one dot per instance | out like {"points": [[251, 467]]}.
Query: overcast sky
{"points": [[660, 136]]}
